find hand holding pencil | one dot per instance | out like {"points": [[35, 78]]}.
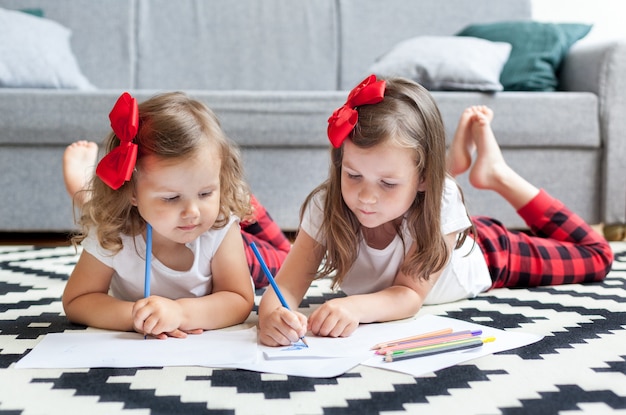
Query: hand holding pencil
{"points": [[277, 291]]}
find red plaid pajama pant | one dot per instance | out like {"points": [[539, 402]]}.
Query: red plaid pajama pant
{"points": [[271, 242], [562, 248]]}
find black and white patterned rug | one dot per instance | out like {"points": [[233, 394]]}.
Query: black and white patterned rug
{"points": [[579, 367]]}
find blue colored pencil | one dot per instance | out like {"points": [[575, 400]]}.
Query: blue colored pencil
{"points": [[146, 286], [270, 278], [148, 270]]}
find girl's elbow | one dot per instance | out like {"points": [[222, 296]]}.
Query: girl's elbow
{"points": [[66, 302], [70, 311], [413, 301], [243, 312]]}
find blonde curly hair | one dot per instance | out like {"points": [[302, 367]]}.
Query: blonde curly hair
{"points": [[171, 126]]}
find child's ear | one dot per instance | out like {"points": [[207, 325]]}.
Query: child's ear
{"points": [[133, 194], [421, 186]]}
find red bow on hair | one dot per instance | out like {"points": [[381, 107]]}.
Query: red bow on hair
{"points": [[117, 167], [343, 120]]}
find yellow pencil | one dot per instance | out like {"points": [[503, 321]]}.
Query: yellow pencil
{"points": [[444, 338], [437, 349]]}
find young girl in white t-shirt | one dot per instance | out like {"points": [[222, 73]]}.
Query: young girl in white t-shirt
{"points": [[170, 166], [391, 228]]}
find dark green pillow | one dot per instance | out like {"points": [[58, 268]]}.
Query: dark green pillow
{"points": [[537, 50], [34, 12]]}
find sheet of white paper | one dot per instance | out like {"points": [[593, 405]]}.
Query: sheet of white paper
{"points": [[321, 347], [505, 340], [305, 367], [326, 357], [218, 348]]}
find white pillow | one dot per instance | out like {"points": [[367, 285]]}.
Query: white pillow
{"points": [[446, 62], [36, 53]]}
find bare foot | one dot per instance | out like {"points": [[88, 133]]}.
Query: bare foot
{"points": [[490, 170], [489, 167], [459, 156], [79, 162]]}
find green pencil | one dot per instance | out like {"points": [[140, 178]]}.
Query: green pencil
{"points": [[436, 349]]}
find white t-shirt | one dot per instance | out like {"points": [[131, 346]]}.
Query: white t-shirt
{"points": [[129, 265], [464, 276]]}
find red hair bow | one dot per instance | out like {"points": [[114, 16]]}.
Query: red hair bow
{"points": [[117, 167], [343, 120]]}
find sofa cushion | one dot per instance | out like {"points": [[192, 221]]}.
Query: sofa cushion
{"points": [[35, 53], [237, 45], [446, 62], [531, 120], [538, 50]]}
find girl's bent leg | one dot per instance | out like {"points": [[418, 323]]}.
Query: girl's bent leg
{"points": [[459, 156], [269, 239], [79, 163], [563, 248]]}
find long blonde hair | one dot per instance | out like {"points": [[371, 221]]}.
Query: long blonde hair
{"points": [[171, 126], [408, 116]]}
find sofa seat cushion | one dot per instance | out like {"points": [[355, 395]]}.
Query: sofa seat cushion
{"points": [[531, 120]]}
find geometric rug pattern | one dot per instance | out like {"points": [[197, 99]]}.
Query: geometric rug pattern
{"points": [[579, 367]]}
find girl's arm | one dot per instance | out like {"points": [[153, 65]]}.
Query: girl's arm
{"points": [[232, 298], [277, 325], [341, 316], [86, 299]]}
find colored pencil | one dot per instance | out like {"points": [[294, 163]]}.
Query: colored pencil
{"points": [[411, 338], [147, 276], [458, 335], [437, 349], [148, 270], [432, 346], [270, 278]]}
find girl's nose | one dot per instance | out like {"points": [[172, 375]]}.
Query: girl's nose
{"points": [[367, 195], [190, 211]]}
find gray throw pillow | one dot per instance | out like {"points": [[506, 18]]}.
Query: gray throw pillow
{"points": [[446, 62], [35, 53]]}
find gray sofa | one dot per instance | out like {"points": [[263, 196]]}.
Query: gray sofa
{"points": [[274, 70]]}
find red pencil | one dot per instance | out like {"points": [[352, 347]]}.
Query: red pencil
{"points": [[411, 338], [442, 339], [437, 349]]}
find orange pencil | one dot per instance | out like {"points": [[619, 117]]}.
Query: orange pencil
{"points": [[442, 339], [437, 349], [411, 338]]}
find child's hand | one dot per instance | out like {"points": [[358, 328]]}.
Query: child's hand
{"points": [[333, 319], [282, 327], [179, 334], [159, 317]]}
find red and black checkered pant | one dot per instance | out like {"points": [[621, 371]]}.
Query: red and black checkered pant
{"points": [[562, 248], [271, 242]]}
